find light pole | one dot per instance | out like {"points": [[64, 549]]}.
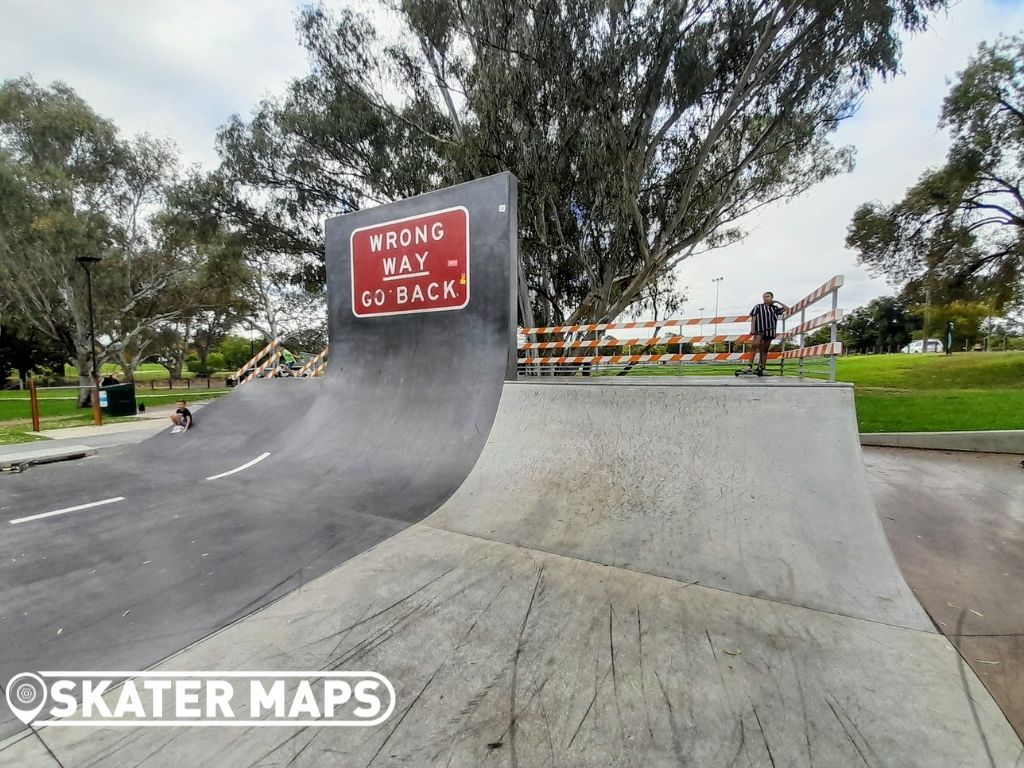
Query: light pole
{"points": [[701, 310], [718, 284], [86, 262]]}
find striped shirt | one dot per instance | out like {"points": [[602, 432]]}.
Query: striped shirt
{"points": [[765, 317]]}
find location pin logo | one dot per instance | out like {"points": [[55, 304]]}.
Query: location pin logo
{"points": [[26, 696]]}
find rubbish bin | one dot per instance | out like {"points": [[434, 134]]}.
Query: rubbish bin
{"points": [[118, 399]]}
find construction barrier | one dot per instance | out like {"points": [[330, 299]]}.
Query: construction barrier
{"points": [[267, 364], [573, 337], [275, 358], [315, 366], [252, 367]]}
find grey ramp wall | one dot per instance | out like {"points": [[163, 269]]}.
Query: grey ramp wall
{"points": [[409, 399], [753, 489]]}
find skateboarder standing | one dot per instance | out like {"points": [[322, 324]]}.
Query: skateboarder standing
{"points": [[763, 320]]}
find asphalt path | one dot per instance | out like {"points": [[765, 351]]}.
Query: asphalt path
{"points": [[116, 562]]}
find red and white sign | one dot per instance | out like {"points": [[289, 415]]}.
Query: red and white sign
{"points": [[417, 264]]}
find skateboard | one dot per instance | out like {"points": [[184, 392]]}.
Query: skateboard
{"points": [[751, 372]]}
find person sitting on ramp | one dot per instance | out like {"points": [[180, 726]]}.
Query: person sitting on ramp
{"points": [[182, 418], [763, 321]]}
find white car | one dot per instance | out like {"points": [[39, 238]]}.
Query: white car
{"points": [[914, 347]]}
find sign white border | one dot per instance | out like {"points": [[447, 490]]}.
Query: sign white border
{"points": [[352, 265]]}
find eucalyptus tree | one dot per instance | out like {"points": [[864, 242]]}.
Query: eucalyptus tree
{"points": [[642, 133]]}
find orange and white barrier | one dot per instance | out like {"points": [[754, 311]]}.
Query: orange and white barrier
{"points": [[274, 360], [817, 295], [696, 357], [832, 316], [249, 369], [592, 327], [572, 338], [817, 350], [313, 366], [608, 341]]}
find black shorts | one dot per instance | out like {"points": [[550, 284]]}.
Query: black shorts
{"points": [[769, 335]]}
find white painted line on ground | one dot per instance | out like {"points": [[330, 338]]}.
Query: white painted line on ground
{"points": [[66, 509], [247, 464]]}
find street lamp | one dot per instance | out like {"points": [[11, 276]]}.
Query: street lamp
{"points": [[86, 263], [718, 284], [701, 310]]}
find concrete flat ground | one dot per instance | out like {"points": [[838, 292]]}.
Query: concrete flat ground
{"points": [[955, 522]]}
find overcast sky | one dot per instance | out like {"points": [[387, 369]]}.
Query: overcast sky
{"points": [[179, 68]]}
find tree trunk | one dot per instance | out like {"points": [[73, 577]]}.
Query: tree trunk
{"points": [[85, 383]]}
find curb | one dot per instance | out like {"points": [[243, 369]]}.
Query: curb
{"points": [[15, 462], [995, 441]]}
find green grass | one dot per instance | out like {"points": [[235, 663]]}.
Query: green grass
{"points": [[145, 372], [915, 393], [19, 431], [9, 435], [15, 405], [940, 410], [969, 370], [16, 417], [936, 393]]}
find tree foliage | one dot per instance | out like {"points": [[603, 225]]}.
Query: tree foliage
{"points": [[641, 133], [71, 187], [23, 349], [962, 225], [883, 324], [969, 319]]}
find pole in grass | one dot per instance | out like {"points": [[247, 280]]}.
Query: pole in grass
{"points": [[86, 262], [33, 396], [718, 285]]}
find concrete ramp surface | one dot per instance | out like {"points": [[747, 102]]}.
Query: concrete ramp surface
{"points": [[578, 602], [754, 488]]}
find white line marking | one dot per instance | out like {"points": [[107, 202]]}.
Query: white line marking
{"points": [[406, 275], [247, 464], [66, 509]]}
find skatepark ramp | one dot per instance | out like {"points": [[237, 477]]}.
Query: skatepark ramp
{"points": [[731, 485], [604, 572], [634, 573]]}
